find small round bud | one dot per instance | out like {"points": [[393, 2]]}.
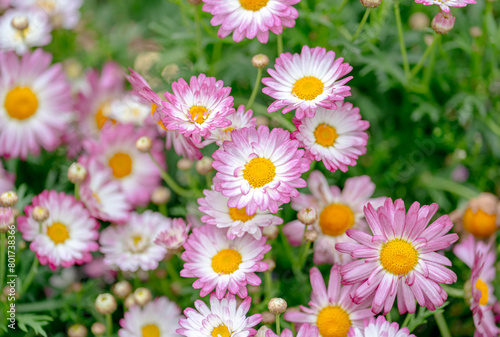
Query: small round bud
{"points": [[310, 235], [105, 304], [428, 39], [307, 215], [184, 164], [129, 301], [77, 173], [268, 317], [195, 2], [144, 144], [443, 22], [122, 289], [77, 330], [20, 23], [8, 199], [277, 305], [204, 165], [475, 31], [262, 120], [98, 329], [271, 232], [142, 296], [260, 61], [176, 288], [161, 195], [271, 264], [262, 331], [40, 214], [75, 287], [253, 290], [6, 219], [371, 3], [419, 21]]}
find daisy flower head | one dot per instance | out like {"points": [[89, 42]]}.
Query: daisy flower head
{"points": [[62, 13], [251, 18], [336, 137], [331, 309], [338, 210], [307, 81], [129, 108], [305, 330], [7, 180], [198, 107], [446, 4], [131, 246], [380, 327], [400, 258], [223, 264], [35, 104], [260, 169], [235, 220], [66, 237], [223, 318], [158, 318]]}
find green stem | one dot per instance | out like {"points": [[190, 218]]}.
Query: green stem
{"points": [[441, 323], [450, 186], [255, 89], [109, 325], [361, 24], [453, 292], [170, 181], [163, 209], [402, 45], [342, 5], [2, 256], [171, 271], [420, 63], [77, 191], [278, 328], [30, 277], [304, 254], [407, 320], [197, 21], [208, 178], [280, 44], [284, 122], [269, 285], [39, 306], [388, 317]]}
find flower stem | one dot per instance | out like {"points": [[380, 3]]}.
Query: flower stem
{"points": [[163, 209], [280, 44], [453, 292], [77, 191], [407, 320], [342, 5], [450, 186], [2, 256], [31, 276], [255, 89], [361, 24], [441, 322], [278, 328], [109, 325], [304, 254], [170, 181], [402, 45], [420, 63], [197, 21]]}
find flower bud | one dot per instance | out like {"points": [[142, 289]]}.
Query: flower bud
{"points": [[184, 164], [122, 289], [40, 214], [175, 236], [271, 232], [77, 173], [443, 22], [475, 31], [204, 165], [77, 330], [262, 120], [260, 61], [176, 288], [419, 21], [307, 216], [98, 329], [161, 195], [144, 144], [371, 3], [262, 331], [310, 235], [8, 199], [20, 23], [129, 301], [268, 317], [271, 264], [195, 2], [277, 305], [105, 304], [6, 219], [142, 296]]}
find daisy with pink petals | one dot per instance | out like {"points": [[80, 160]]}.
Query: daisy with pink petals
{"points": [[224, 317], [7, 180], [221, 264], [380, 327], [173, 234], [307, 81], [305, 330], [66, 237], [337, 211], [446, 4], [400, 258], [251, 18], [331, 309], [260, 169], [336, 137]]}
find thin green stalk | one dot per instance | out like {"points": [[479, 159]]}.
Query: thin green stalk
{"points": [[170, 181], [304, 254], [163, 209], [389, 317], [197, 27], [280, 44], [284, 122], [402, 45], [361, 24], [450, 186], [2, 256], [453, 292], [171, 271], [30, 277], [342, 5], [208, 178], [420, 63], [278, 328], [441, 323], [255, 89], [109, 325], [407, 320], [77, 191]]}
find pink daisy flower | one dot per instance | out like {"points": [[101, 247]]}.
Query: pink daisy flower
{"points": [[307, 81], [7, 180], [337, 211], [400, 257], [305, 330], [260, 169], [251, 18], [223, 318], [446, 4], [198, 107], [35, 104], [223, 264], [66, 237], [380, 327], [173, 234], [62, 13], [331, 309], [335, 137]]}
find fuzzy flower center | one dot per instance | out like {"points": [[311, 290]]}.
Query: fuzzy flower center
{"points": [[480, 224], [227, 261], [259, 172], [335, 219], [100, 117], [221, 331], [398, 257], [253, 5], [21, 103], [239, 214], [58, 232], [121, 164], [198, 114], [333, 321], [325, 135], [150, 330], [483, 288], [160, 123], [308, 88]]}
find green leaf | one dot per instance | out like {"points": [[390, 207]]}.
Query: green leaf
{"points": [[36, 322]]}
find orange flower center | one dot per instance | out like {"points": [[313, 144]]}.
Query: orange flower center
{"points": [[259, 172], [21, 103], [121, 165], [58, 232], [308, 88], [398, 257], [335, 219], [227, 261], [333, 321], [483, 288], [325, 135], [480, 224], [150, 330], [253, 5], [239, 214], [198, 114], [221, 331]]}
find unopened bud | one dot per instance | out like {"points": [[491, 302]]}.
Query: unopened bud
{"points": [[195, 2], [271, 264], [77, 330], [129, 301], [6, 219], [105, 304], [262, 120], [144, 144], [307, 216], [77, 173], [20, 23], [161, 195], [260, 61], [40, 214], [204, 165], [98, 329], [271, 232], [268, 317], [310, 235], [371, 3], [262, 331], [277, 305], [176, 288], [122, 289], [443, 22], [419, 21], [8, 199], [142, 296], [184, 164], [253, 290], [475, 31]]}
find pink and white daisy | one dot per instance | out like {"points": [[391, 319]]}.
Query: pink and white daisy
{"points": [[307, 81], [337, 211], [159, 318], [66, 237], [173, 234], [129, 108], [7, 180], [380, 327], [305, 330], [198, 107], [223, 318], [336, 137], [331, 309], [35, 104], [236, 220], [134, 170], [223, 264], [251, 18], [446, 4], [400, 257], [260, 169], [62, 13], [131, 246]]}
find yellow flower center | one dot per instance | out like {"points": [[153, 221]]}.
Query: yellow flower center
{"points": [[228, 130], [58, 232], [96, 197], [483, 288], [325, 135], [308, 88], [480, 224], [48, 5], [226, 261], [100, 117], [239, 214], [253, 5], [121, 164], [197, 113], [137, 239], [398, 257], [160, 123], [259, 172], [21, 103], [335, 219], [333, 321], [221, 331], [150, 330]]}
